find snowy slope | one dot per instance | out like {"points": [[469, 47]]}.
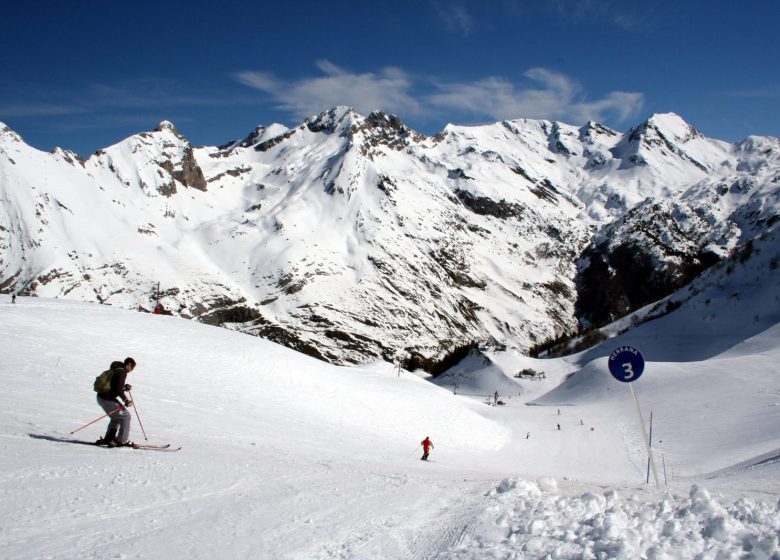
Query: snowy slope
{"points": [[354, 238], [711, 350], [285, 456], [282, 453]]}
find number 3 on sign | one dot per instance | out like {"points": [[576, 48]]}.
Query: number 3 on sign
{"points": [[626, 364]]}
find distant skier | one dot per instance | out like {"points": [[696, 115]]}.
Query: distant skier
{"points": [[118, 432], [13, 298], [427, 445]]}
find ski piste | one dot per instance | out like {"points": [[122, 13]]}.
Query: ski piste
{"points": [[143, 446]]}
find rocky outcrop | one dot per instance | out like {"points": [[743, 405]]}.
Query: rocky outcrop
{"points": [[653, 251], [186, 171]]}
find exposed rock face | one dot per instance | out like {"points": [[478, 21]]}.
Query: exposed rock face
{"points": [[655, 249], [186, 171], [356, 238]]}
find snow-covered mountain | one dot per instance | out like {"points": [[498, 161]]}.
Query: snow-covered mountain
{"points": [[354, 237]]}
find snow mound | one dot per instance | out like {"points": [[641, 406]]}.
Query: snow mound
{"points": [[608, 524]]}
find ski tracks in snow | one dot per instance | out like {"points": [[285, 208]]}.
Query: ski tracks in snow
{"points": [[414, 515], [423, 533]]}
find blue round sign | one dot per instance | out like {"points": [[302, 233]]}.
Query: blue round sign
{"points": [[626, 364]]}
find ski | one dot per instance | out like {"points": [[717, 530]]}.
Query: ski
{"points": [[143, 446], [153, 447]]}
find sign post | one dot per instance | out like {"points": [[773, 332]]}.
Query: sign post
{"points": [[626, 364]]}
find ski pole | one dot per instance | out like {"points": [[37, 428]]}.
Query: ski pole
{"points": [[96, 419], [135, 406]]}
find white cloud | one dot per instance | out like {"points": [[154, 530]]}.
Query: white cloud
{"points": [[387, 90], [556, 97], [550, 95], [623, 104], [263, 81]]}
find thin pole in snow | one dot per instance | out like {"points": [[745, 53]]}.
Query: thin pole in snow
{"points": [[644, 433], [663, 459], [649, 446]]}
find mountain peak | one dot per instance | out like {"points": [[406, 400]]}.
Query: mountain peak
{"points": [[380, 129], [380, 119], [338, 118], [670, 125], [667, 135], [168, 126], [593, 130], [260, 134]]}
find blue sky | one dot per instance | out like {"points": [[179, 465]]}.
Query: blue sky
{"points": [[84, 74]]}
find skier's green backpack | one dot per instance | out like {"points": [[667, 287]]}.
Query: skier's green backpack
{"points": [[103, 381]]}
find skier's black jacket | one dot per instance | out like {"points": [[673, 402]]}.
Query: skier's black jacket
{"points": [[118, 380]]}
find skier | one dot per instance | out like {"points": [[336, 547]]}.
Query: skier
{"points": [[118, 432], [13, 298], [427, 445]]}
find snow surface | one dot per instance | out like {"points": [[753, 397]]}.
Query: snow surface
{"points": [[284, 456]]}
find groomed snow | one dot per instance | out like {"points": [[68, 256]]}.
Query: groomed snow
{"points": [[287, 457]]}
